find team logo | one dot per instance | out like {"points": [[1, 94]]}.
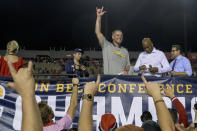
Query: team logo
{"points": [[118, 53]]}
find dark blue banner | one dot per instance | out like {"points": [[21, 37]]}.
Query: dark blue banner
{"points": [[122, 96]]}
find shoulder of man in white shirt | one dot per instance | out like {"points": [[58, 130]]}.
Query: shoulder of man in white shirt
{"points": [[159, 51], [153, 51]]}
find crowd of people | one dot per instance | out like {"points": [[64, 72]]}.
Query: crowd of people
{"points": [[38, 117], [151, 62]]}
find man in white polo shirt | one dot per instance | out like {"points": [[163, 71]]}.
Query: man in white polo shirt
{"points": [[151, 62]]}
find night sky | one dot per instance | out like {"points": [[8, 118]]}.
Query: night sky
{"points": [[38, 24]]}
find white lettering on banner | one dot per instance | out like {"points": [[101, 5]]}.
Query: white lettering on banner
{"points": [[135, 111], [52, 103], [18, 113], [62, 113], [193, 102], [1, 111], [168, 102], [100, 108], [182, 100], [151, 108]]}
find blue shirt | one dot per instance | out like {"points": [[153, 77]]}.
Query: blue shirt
{"points": [[182, 65], [69, 69]]}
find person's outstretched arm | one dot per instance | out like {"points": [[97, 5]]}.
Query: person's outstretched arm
{"points": [[66, 121], [73, 101], [183, 118], [24, 84], [99, 35], [85, 119], [165, 120]]}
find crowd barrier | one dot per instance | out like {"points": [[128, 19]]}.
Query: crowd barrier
{"points": [[123, 96]]}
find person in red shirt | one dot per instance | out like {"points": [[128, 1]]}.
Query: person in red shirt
{"points": [[183, 118], [18, 62]]}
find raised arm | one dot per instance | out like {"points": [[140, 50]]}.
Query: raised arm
{"points": [[100, 13], [73, 101], [24, 84], [183, 118], [165, 120], [85, 119]]}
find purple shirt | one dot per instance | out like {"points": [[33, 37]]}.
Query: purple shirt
{"points": [[63, 123]]}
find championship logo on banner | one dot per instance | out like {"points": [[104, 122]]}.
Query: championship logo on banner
{"points": [[122, 96]]}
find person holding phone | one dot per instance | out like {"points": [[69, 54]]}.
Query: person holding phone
{"points": [[75, 66]]}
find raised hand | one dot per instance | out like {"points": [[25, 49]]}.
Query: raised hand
{"points": [[24, 82], [152, 89], [75, 81], [100, 12], [92, 87], [168, 92]]}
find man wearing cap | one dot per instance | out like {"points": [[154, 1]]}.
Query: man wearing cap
{"points": [[74, 66], [181, 66], [115, 57], [151, 62]]}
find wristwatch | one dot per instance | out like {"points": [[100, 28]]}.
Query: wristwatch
{"points": [[76, 85], [88, 97], [195, 125]]}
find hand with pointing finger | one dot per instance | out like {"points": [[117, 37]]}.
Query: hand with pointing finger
{"points": [[165, 120], [168, 92], [24, 82], [151, 88], [92, 87]]}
